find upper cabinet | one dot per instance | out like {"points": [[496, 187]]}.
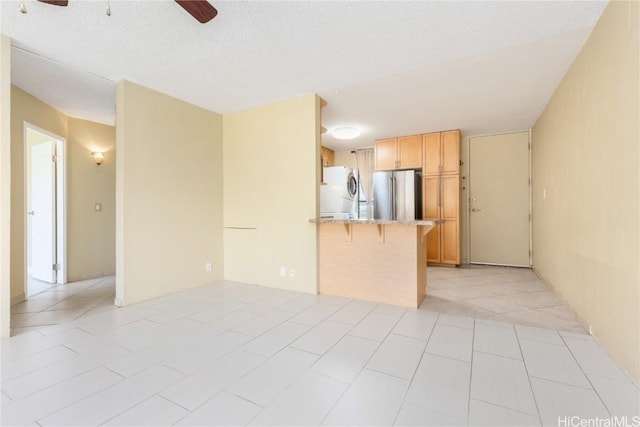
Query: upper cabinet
{"points": [[386, 153], [441, 153], [399, 153], [327, 157], [451, 152]]}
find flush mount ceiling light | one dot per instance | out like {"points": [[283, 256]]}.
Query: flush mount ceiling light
{"points": [[346, 133]]}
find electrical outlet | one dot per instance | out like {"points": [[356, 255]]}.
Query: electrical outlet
{"points": [[283, 271], [590, 330], [292, 272], [209, 266]]}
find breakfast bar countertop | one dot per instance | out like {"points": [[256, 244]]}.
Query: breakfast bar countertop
{"points": [[376, 221]]}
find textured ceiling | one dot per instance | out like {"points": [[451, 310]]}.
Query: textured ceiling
{"points": [[391, 67]]}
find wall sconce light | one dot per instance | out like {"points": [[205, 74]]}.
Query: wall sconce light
{"points": [[98, 157]]}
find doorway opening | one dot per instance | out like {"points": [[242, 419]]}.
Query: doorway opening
{"points": [[45, 213]]}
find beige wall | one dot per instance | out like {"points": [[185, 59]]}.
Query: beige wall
{"points": [[271, 178], [168, 194], [586, 185], [346, 158], [5, 185], [25, 108], [91, 235]]}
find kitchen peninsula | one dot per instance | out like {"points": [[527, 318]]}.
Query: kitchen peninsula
{"points": [[375, 260]]}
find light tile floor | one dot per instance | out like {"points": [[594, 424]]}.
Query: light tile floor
{"points": [[512, 295], [61, 303], [35, 286], [234, 354]]}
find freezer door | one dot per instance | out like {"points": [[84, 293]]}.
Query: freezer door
{"points": [[408, 194], [382, 195], [404, 197]]}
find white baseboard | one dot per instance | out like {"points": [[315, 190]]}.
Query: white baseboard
{"points": [[90, 276]]}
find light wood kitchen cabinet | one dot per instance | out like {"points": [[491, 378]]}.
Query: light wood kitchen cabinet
{"points": [[441, 201], [450, 152], [441, 195], [399, 153], [431, 197], [410, 152], [441, 153], [450, 230], [431, 149], [386, 154], [327, 157]]}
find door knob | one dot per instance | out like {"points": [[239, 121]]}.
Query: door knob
{"points": [[475, 210], [31, 213]]}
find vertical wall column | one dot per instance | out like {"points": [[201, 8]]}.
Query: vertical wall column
{"points": [[5, 185]]}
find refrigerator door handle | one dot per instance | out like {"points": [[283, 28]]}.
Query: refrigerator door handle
{"points": [[391, 198], [395, 198]]}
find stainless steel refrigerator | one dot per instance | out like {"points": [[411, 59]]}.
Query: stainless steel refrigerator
{"points": [[397, 195]]}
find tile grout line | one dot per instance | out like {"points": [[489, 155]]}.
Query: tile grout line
{"points": [[585, 375], [150, 397], [47, 367], [526, 369], [539, 341], [143, 400], [561, 383], [4, 366], [364, 364], [81, 399], [404, 397], [506, 407], [499, 355], [473, 339], [266, 358]]}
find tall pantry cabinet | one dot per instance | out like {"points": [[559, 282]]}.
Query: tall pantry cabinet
{"points": [[441, 194]]}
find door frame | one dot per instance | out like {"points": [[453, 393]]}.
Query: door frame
{"points": [[467, 204], [60, 200]]}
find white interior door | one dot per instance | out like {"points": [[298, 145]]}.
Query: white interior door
{"points": [[499, 201], [42, 211]]}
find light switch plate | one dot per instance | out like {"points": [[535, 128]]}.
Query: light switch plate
{"points": [[98, 207]]}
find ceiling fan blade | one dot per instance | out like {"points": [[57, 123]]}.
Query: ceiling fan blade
{"points": [[55, 2], [199, 9]]}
